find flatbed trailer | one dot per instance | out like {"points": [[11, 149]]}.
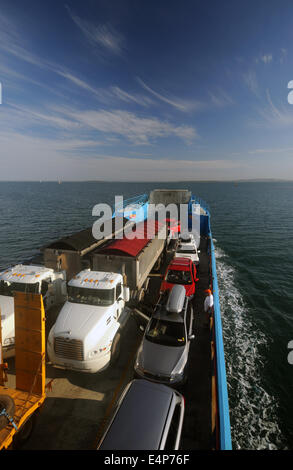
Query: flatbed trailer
{"points": [[26, 399]]}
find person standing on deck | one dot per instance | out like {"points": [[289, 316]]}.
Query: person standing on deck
{"points": [[208, 303]]}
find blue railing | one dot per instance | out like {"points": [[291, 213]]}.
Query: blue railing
{"points": [[139, 200], [223, 402], [198, 200]]}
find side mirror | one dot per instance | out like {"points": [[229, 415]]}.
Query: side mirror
{"points": [[126, 293], [190, 337]]}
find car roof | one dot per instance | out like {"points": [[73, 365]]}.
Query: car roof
{"points": [[140, 420], [179, 262], [176, 299]]}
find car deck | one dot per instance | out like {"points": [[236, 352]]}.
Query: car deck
{"points": [[79, 405]]}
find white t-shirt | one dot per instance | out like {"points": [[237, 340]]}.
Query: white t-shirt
{"points": [[209, 302]]}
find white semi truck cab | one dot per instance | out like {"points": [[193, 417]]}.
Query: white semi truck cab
{"points": [[27, 278], [86, 334]]}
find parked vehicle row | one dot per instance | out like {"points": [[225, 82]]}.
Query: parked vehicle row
{"points": [[163, 354], [86, 334]]}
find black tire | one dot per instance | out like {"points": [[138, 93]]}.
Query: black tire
{"points": [[7, 403], [115, 349], [24, 432]]}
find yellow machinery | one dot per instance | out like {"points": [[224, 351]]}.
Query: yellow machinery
{"points": [[19, 405]]}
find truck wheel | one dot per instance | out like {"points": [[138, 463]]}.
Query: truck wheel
{"points": [[25, 432], [115, 349], [7, 403]]}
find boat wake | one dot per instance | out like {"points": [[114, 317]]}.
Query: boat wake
{"points": [[252, 408]]}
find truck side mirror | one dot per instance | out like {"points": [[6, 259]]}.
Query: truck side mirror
{"points": [[126, 294]]}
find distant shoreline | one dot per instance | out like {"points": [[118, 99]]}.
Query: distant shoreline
{"points": [[256, 180]]}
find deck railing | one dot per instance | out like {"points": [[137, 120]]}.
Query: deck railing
{"points": [[223, 402]]}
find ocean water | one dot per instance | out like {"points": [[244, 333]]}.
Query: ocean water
{"points": [[252, 227]]}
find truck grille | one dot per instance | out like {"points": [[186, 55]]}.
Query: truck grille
{"points": [[69, 348]]}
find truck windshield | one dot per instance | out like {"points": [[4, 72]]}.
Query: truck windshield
{"points": [[81, 295], [167, 333], [7, 288], [178, 277]]}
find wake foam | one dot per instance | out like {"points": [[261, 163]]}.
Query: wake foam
{"points": [[252, 409]]}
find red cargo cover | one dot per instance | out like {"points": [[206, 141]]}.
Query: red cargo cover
{"points": [[133, 247]]}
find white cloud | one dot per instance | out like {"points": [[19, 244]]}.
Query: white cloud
{"points": [[102, 35], [43, 159], [138, 130], [220, 98], [283, 56], [127, 97], [251, 82], [275, 151], [266, 58], [275, 117], [181, 105]]}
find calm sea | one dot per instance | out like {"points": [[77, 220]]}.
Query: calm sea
{"points": [[252, 225]]}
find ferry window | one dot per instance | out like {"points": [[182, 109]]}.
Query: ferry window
{"points": [[81, 295], [118, 290]]}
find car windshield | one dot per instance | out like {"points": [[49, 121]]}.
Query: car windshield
{"points": [[7, 288], [186, 250], [186, 239], [81, 295], [167, 333], [178, 277]]}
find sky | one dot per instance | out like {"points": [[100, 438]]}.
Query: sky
{"points": [[133, 90]]}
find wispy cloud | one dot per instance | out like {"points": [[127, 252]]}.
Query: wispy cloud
{"points": [[103, 36], [275, 151], [181, 105], [266, 58], [220, 98], [131, 98], [251, 82], [274, 117], [283, 55], [105, 127], [137, 130]]}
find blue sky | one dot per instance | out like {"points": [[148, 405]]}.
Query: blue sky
{"points": [[146, 90]]}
